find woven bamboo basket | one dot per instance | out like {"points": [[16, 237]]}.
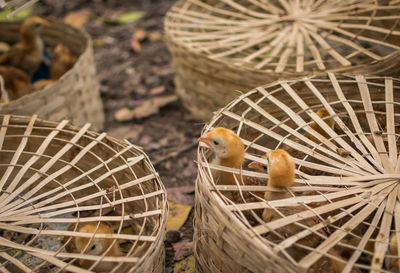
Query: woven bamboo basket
{"points": [[347, 182], [75, 96], [223, 47], [55, 177]]}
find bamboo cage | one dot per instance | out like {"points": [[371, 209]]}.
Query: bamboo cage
{"points": [[55, 179], [221, 48], [346, 194], [76, 95]]}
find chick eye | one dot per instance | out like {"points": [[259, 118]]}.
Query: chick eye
{"points": [[264, 167], [93, 247], [216, 142]]}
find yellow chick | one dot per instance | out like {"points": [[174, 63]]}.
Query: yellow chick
{"points": [[16, 82], [281, 175], [228, 149], [95, 246], [27, 54], [323, 113]]}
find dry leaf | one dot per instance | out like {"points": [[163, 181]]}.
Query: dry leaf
{"points": [[135, 45], [77, 18], [177, 215], [182, 250], [181, 195], [140, 34], [147, 108]]}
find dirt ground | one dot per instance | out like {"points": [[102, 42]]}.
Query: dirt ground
{"points": [[129, 77]]}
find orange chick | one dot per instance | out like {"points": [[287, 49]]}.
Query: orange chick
{"points": [[3, 93], [228, 149], [281, 175], [95, 246], [323, 113], [27, 54], [61, 61], [16, 81], [41, 84]]}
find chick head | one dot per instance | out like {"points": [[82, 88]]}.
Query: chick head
{"points": [[34, 23], [259, 166], [224, 143]]}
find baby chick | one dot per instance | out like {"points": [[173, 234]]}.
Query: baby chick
{"points": [[95, 246], [27, 54], [228, 149], [61, 61], [281, 175], [323, 113], [16, 81]]}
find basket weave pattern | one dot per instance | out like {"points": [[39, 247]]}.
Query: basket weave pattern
{"points": [[241, 43], [54, 176], [347, 182], [75, 96]]}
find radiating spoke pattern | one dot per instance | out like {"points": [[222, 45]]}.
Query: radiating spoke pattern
{"points": [[287, 35], [55, 178], [345, 204]]}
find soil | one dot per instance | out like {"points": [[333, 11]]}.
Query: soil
{"points": [[129, 77]]}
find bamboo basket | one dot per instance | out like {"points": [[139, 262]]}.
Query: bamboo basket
{"points": [[54, 176], [221, 48], [75, 96], [347, 182]]}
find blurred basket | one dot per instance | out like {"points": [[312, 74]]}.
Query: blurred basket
{"points": [[347, 182], [223, 47], [75, 96], [53, 175]]}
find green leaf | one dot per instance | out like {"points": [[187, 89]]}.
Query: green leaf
{"points": [[23, 14], [128, 17]]}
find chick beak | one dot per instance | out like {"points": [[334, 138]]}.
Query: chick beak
{"points": [[254, 165], [80, 261], [205, 139]]}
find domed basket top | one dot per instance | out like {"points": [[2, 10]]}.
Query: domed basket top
{"points": [[346, 193], [56, 178], [287, 36]]}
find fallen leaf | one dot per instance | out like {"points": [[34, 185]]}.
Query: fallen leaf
{"points": [[140, 34], [125, 132], [185, 266], [125, 18], [135, 44], [181, 195], [182, 250], [23, 14], [147, 108], [177, 215], [155, 35], [77, 18], [157, 90]]}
